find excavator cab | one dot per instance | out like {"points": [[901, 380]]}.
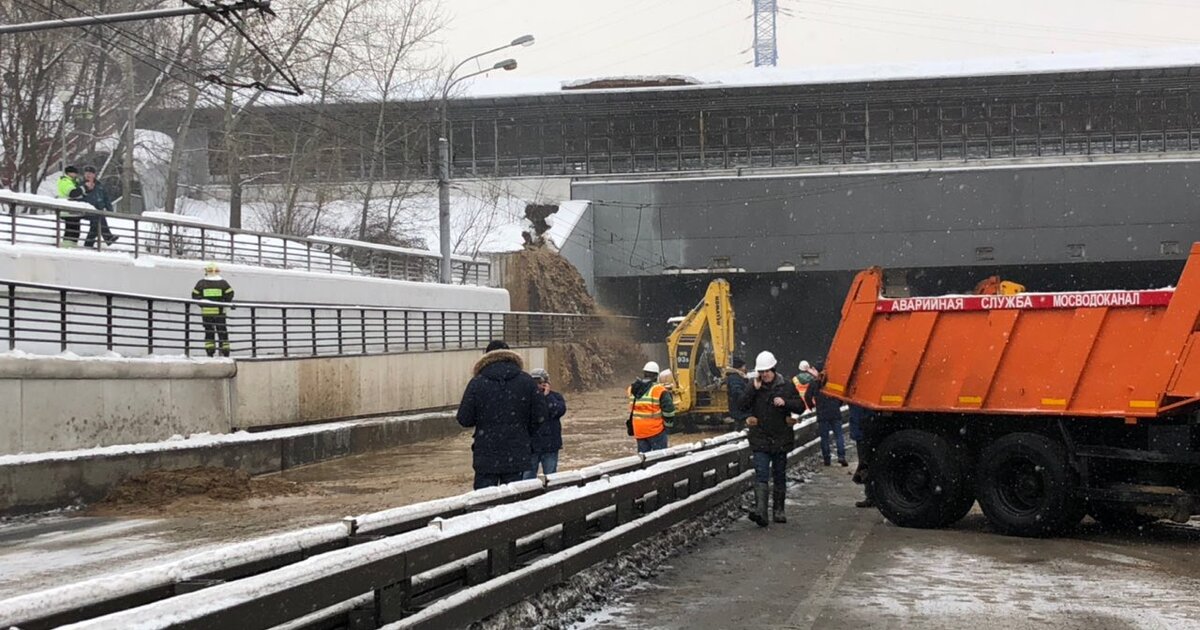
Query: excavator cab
{"points": [[699, 348]]}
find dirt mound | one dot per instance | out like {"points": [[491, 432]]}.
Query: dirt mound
{"points": [[539, 280], [155, 488], [593, 363]]}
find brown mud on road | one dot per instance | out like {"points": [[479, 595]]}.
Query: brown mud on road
{"points": [[593, 432]]}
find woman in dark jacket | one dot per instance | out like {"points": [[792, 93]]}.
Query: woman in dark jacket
{"points": [[771, 401], [94, 193], [546, 442]]}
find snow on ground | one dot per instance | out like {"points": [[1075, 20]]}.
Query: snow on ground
{"points": [[197, 440]]}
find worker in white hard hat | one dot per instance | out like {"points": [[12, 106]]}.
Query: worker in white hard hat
{"points": [[651, 410], [807, 376], [213, 288], [771, 400]]}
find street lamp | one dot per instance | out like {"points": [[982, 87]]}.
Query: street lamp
{"points": [[444, 144]]}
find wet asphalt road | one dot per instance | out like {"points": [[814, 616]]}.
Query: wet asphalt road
{"points": [[834, 566]]}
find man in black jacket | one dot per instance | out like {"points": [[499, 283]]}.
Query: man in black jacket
{"points": [[829, 419], [771, 401], [94, 193], [502, 403]]}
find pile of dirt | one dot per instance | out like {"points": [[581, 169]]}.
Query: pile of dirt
{"points": [[155, 488], [541, 281], [593, 363]]}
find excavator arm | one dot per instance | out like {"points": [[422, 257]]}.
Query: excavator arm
{"points": [[699, 349]]}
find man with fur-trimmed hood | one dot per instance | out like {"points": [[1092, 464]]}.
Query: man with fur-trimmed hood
{"points": [[502, 404]]}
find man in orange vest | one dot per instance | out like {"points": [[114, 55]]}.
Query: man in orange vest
{"points": [[651, 409], [802, 380]]}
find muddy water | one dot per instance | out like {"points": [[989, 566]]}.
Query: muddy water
{"points": [[593, 432]]}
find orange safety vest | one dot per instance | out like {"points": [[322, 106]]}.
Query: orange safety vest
{"points": [[802, 388], [647, 412]]}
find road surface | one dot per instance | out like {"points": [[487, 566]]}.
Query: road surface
{"points": [[834, 566]]}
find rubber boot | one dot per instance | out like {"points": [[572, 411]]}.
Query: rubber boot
{"points": [[780, 498], [759, 515]]}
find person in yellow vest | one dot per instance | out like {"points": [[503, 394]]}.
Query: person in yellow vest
{"points": [[805, 378], [213, 288], [651, 410]]}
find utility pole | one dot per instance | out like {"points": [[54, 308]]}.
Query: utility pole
{"points": [[765, 51], [130, 129]]}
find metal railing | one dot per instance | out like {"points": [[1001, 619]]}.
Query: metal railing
{"points": [[428, 565], [51, 319], [174, 236]]}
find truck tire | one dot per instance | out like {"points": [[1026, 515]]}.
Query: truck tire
{"points": [[1118, 517], [1027, 486], [918, 479]]}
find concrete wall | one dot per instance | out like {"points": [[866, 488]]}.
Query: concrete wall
{"points": [[175, 278], [53, 404], [277, 392]]}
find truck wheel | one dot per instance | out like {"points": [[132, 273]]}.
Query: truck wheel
{"points": [[1027, 486], [1119, 517], [918, 480]]}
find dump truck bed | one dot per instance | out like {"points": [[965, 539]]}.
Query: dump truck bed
{"points": [[1104, 353]]}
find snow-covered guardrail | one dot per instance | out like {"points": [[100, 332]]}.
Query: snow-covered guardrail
{"points": [[177, 236], [398, 565]]}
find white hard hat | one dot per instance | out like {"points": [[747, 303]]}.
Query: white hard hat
{"points": [[650, 367], [805, 366], [764, 361]]}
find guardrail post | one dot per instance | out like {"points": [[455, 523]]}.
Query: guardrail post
{"points": [[362, 318], [501, 558], [339, 329], [253, 331], [425, 329], [57, 226], [259, 237], [393, 600], [387, 346], [312, 314], [284, 321], [137, 237], [187, 330], [149, 326], [12, 317], [203, 244], [62, 320], [12, 224]]}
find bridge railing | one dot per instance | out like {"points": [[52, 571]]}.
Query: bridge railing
{"points": [[46, 221], [50, 319]]}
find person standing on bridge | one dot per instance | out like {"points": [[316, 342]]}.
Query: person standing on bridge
{"points": [[502, 403], [771, 400], [68, 188], [95, 194], [547, 439], [651, 409], [829, 420], [213, 288]]}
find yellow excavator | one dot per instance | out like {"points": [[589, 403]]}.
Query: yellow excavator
{"points": [[699, 350]]}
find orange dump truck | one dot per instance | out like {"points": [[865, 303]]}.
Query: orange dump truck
{"points": [[1044, 407]]}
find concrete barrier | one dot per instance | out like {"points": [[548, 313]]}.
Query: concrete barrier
{"points": [[291, 391], [58, 404], [29, 483], [52, 403]]}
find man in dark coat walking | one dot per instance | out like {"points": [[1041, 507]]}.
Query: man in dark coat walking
{"points": [[770, 400], [829, 420], [95, 194], [504, 406]]}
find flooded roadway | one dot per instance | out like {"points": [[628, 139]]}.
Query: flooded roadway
{"points": [[41, 552]]}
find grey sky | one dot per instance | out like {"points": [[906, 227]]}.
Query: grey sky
{"points": [[587, 38]]}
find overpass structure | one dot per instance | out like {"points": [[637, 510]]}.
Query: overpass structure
{"points": [[1065, 172]]}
